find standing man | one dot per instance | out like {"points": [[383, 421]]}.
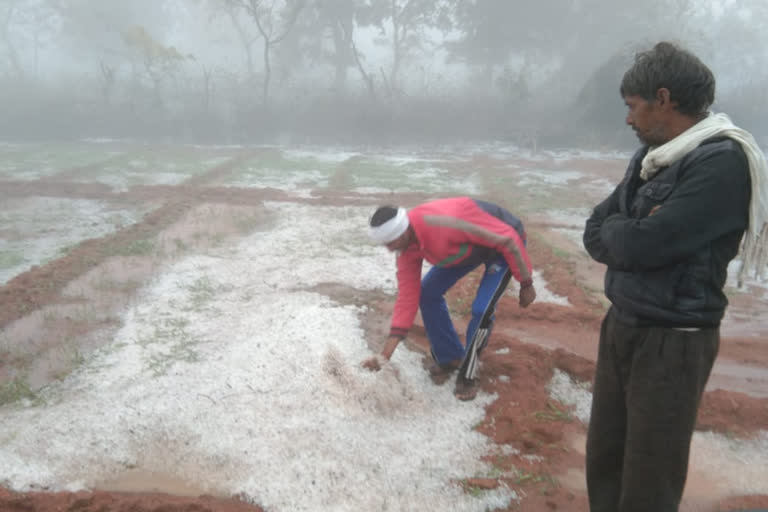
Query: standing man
{"points": [[455, 235], [666, 234]]}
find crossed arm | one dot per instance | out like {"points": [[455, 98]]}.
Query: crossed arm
{"points": [[708, 202]]}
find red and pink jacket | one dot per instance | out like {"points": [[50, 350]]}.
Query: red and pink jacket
{"points": [[452, 232]]}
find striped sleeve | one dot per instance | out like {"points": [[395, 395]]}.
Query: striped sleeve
{"points": [[409, 264], [482, 228]]}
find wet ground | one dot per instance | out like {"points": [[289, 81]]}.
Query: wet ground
{"points": [[38, 310]]}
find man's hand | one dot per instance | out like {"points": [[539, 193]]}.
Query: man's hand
{"points": [[373, 363], [527, 295]]}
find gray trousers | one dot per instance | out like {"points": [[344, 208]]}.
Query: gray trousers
{"points": [[647, 390]]}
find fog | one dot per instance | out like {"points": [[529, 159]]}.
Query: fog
{"points": [[363, 71]]}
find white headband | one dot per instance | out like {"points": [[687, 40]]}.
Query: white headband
{"points": [[390, 230]]}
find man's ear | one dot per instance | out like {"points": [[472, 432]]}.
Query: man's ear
{"points": [[664, 99]]}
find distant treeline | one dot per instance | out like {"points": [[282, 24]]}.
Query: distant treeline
{"points": [[593, 121], [535, 74]]}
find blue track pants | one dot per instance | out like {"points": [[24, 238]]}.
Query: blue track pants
{"points": [[443, 339]]}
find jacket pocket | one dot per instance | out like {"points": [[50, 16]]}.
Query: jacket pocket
{"points": [[650, 195], [645, 293], [657, 191]]}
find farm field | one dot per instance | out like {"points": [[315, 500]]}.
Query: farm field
{"points": [[182, 329]]}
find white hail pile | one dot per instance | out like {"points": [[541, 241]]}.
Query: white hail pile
{"points": [[232, 375]]}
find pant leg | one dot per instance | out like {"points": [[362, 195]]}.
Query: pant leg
{"points": [[492, 285], [443, 340], [607, 423], [668, 375]]}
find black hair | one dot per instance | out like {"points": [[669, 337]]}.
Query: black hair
{"points": [[690, 82], [382, 215]]}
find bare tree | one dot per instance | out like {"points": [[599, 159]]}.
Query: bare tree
{"points": [[408, 21], [113, 35], [367, 78], [274, 20], [323, 35], [9, 8], [233, 10], [159, 62], [207, 88], [108, 80]]}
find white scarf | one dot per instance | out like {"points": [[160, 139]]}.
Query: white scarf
{"points": [[754, 247]]}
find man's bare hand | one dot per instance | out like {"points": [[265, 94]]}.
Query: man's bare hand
{"points": [[527, 295], [372, 363]]}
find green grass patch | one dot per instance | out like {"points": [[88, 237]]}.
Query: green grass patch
{"points": [[367, 173], [201, 292], [15, 390], [495, 472], [143, 247], [248, 223], [176, 345], [160, 363], [554, 413], [274, 162], [474, 491], [10, 259], [522, 477], [56, 157], [73, 357], [560, 254]]}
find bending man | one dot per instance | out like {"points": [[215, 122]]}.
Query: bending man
{"points": [[455, 235]]}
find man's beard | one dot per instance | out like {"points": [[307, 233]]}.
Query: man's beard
{"points": [[653, 137]]}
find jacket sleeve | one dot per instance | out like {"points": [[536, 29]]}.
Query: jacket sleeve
{"points": [[710, 200], [511, 246], [409, 263], [483, 229], [592, 240]]}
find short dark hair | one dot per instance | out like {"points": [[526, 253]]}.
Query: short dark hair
{"points": [[690, 82], [382, 215]]}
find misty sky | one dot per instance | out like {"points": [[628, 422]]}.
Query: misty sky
{"points": [[114, 60]]}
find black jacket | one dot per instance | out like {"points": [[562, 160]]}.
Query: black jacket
{"points": [[668, 267]]}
